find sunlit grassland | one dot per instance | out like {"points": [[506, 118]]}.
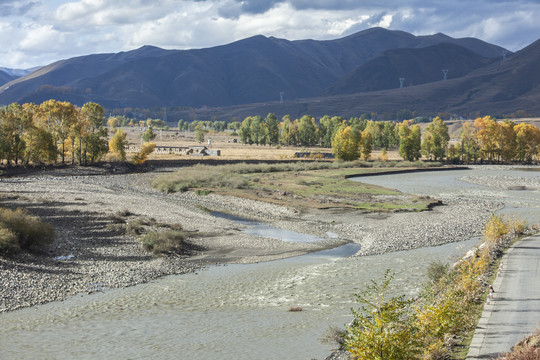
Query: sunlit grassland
{"points": [[302, 185]]}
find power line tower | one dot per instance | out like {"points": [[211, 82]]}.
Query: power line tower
{"points": [[445, 73], [401, 81]]}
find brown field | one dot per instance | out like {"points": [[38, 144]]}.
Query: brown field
{"points": [[229, 150]]}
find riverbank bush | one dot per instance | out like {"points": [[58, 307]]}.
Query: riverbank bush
{"points": [[442, 316], [20, 230], [526, 349], [164, 242]]}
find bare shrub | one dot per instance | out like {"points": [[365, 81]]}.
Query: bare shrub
{"points": [[436, 270], [31, 233], [9, 243], [164, 242], [334, 336]]}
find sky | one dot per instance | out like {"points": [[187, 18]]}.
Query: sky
{"points": [[39, 32]]}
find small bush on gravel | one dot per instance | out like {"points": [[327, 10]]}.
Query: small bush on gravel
{"points": [[30, 232], [137, 226], [164, 242], [124, 213], [8, 241]]}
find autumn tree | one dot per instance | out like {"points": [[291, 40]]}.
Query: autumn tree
{"points": [[367, 144], [346, 143], [505, 141], [486, 136], [383, 328], [145, 150], [113, 122], [327, 129], [58, 117], [118, 144], [527, 142]]}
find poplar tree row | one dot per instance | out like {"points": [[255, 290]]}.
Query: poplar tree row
{"points": [[52, 132], [485, 139]]}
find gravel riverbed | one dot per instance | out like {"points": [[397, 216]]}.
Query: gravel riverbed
{"points": [[87, 257]]}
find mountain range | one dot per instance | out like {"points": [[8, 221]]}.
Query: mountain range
{"points": [[360, 72]]}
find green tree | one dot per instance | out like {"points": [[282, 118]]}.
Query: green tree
{"points": [[12, 128], [182, 125], [367, 144], [258, 130], [468, 143], [382, 328], [245, 131], [327, 129], [200, 132], [436, 137], [272, 125], [149, 135], [409, 141], [307, 131], [96, 135]]}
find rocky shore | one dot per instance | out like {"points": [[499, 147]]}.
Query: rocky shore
{"points": [[88, 257]]}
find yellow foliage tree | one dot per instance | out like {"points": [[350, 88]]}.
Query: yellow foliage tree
{"points": [[142, 154], [118, 144], [346, 143]]}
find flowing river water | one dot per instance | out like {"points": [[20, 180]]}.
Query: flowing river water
{"points": [[241, 311]]}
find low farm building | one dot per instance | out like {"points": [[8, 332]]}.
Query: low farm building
{"points": [[179, 150]]}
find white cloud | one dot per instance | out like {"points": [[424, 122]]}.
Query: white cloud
{"points": [[36, 33]]}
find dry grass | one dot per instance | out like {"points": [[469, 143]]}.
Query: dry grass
{"points": [[229, 150], [316, 185], [20, 230]]}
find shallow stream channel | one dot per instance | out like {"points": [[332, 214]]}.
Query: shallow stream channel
{"points": [[242, 311]]}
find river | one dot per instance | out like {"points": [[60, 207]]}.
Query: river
{"points": [[238, 311]]}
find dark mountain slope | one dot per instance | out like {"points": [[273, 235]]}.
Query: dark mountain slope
{"points": [[498, 88], [250, 70], [415, 66], [64, 73], [5, 78]]}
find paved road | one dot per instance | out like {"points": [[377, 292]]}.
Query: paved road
{"points": [[514, 311]]}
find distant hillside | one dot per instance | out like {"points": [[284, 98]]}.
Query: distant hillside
{"points": [[7, 74], [252, 70], [414, 66], [5, 77], [502, 87]]}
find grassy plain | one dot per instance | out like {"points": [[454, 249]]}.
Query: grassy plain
{"points": [[297, 183], [302, 185]]}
